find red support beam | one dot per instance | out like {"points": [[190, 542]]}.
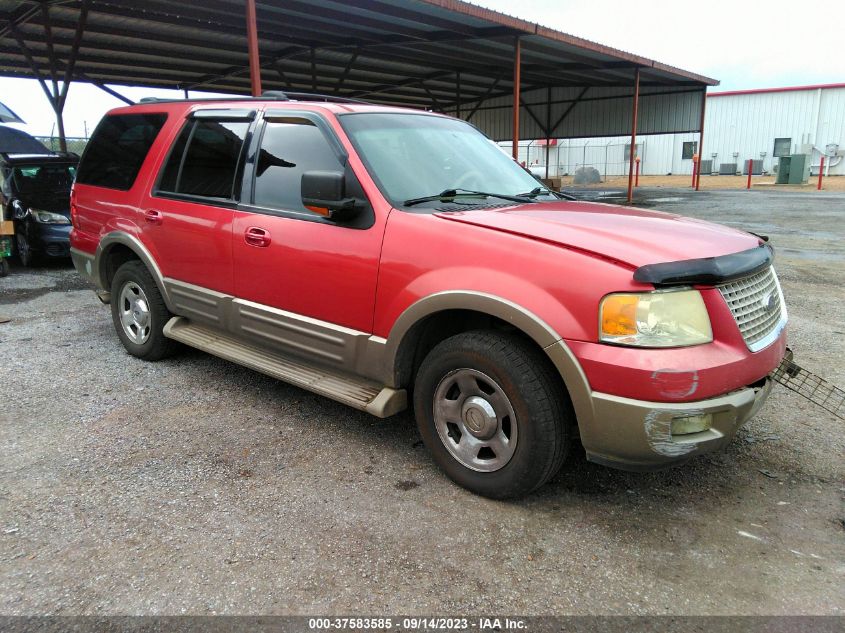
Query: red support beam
{"points": [[821, 174], [632, 153], [517, 80], [750, 169], [252, 43], [701, 140], [548, 129]]}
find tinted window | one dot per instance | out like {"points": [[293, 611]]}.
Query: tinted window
{"points": [[289, 148], [205, 158], [689, 149], [119, 146]]}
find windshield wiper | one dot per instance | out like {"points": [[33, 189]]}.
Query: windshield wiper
{"points": [[540, 190], [448, 194], [536, 191]]}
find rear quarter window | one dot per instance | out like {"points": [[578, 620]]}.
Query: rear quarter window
{"points": [[115, 153]]}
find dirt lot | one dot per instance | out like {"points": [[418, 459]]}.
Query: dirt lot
{"points": [[833, 183], [194, 486]]}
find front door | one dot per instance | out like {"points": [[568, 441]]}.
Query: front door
{"points": [[303, 283]]}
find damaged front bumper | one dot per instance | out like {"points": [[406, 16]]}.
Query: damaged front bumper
{"points": [[638, 435]]}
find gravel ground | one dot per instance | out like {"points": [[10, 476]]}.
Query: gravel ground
{"points": [[195, 486]]}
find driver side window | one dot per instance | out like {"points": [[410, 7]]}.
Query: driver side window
{"points": [[289, 148]]}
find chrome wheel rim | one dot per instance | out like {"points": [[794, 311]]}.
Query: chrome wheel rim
{"points": [[475, 420], [134, 310]]}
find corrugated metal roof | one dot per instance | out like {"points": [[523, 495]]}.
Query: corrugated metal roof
{"points": [[754, 91], [437, 54]]}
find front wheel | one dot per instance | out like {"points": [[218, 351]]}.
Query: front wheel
{"points": [[492, 412], [139, 313], [25, 254]]}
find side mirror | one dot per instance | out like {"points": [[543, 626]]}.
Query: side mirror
{"points": [[324, 193], [19, 212]]}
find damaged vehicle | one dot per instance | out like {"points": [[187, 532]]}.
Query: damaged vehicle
{"points": [[393, 259], [35, 194]]}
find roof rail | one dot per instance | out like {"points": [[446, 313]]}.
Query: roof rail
{"points": [[306, 96], [267, 95]]}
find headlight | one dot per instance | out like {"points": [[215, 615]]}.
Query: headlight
{"points": [[48, 217], [674, 318]]}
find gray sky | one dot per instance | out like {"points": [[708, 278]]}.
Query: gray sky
{"points": [[743, 43]]}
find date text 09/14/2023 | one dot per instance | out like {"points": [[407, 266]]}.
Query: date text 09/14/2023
{"points": [[417, 623]]}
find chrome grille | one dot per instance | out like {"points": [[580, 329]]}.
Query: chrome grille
{"points": [[757, 305]]}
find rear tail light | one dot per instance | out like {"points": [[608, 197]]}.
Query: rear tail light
{"points": [[73, 209]]}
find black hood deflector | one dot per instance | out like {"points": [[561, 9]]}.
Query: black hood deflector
{"points": [[707, 271]]}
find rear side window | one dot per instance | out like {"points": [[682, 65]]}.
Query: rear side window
{"points": [[117, 150], [205, 159]]}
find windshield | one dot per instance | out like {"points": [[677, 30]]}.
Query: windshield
{"points": [[35, 179], [413, 156]]}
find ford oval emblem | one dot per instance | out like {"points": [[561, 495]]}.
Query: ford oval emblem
{"points": [[769, 302]]}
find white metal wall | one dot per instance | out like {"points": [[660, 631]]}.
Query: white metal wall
{"points": [[745, 124]]}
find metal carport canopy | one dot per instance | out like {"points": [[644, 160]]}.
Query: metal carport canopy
{"points": [[444, 55]]}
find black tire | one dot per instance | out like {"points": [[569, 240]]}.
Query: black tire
{"points": [[4, 267], [25, 254], [156, 346], [544, 417]]}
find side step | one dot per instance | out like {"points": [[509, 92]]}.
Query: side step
{"points": [[354, 391]]}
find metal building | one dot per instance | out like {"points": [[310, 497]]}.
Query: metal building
{"points": [[761, 125]]}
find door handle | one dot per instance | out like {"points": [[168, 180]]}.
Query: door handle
{"points": [[153, 216], [255, 236]]}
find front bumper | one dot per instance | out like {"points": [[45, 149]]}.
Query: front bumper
{"points": [[636, 435], [52, 240]]}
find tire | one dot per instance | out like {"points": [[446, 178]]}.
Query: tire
{"points": [[4, 267], [25, 254], [515, 443], [139, 313]]}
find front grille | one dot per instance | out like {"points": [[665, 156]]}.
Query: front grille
{"points": [[756, 303]]}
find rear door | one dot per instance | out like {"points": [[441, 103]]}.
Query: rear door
{"points": [[187, 217]]}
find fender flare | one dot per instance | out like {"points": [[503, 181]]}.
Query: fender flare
{"points": [[114, 238], [524, 320]]}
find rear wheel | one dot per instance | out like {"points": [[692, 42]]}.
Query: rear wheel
{"points": [[139, 313], [492, 413]]}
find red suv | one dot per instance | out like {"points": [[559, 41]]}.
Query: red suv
{"points": [[389, 258]]}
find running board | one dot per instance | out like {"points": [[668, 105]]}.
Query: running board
{"points": [[354, 391]]}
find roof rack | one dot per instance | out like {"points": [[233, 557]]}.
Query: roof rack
{"points": [[306, 96], [267, 95]]}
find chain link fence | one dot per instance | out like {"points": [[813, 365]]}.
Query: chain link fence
{"points": [[75, 144], [599, 159]]}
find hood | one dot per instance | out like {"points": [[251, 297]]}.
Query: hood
{"points": [[634, 237]]}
